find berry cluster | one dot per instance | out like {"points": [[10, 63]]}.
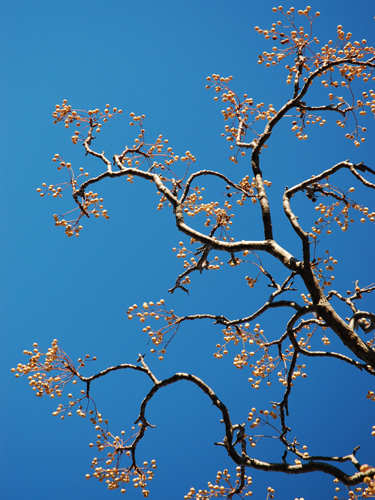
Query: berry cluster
{"points": [[335, 64], [153, 312], [93, 117], [108, 469], [338, 211], [222, 487], [39, 367]]}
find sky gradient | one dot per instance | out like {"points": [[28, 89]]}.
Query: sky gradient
{"points": [[153, 57]]}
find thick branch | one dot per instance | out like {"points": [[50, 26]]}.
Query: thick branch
{"points": [[243, 459], [311, 466]]}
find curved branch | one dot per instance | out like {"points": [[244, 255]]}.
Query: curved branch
{"points": [[367, 326], [208, 391], [290, 192], [263, 138], [220, 319], [339, 356], [361, 178], [243, 459], [331, 64], [122, 366], [208, 172], [269, 246], [324, 308], [89, 151]]}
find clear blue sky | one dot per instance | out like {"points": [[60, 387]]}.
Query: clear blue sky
{"points": [[150, 57]]}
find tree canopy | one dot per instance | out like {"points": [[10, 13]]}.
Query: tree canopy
{"points": [[256, 233]]}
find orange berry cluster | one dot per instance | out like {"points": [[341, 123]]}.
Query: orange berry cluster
{"points": [[191, 206], [250, 281], [192, 209], [71, 226], [369, 490], [169, 156], [38, 369], [158, 149], [266, 418], [237, 110], [327, 266], [67, 409], [140, 153], [136, 118], [294, 41], [222, 217], [182, 252], [64, 410], [222, 486], [214, 214], [250, 188], [116, 477], [240, 335], [40, 365], [262, 368], [271, 493], [115, 447], [64, 164], [306, 298], [343, 218], [325, 340], [353, 51], [282, 377], [263, 416], [51, 190], [92, 205], [155, 311], [266, 364], [359, 492], [288, 35], [300, 129], [216, 264], [69, 116], [56, 190], [304, 342]]}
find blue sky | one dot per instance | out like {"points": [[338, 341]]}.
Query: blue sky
{"points": [[152, 57]]}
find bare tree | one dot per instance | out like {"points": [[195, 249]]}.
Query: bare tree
{"points": [[305, 289]]}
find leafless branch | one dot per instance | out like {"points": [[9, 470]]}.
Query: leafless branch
{"points": [[207, 173], [313, 463], [89, 151]]}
